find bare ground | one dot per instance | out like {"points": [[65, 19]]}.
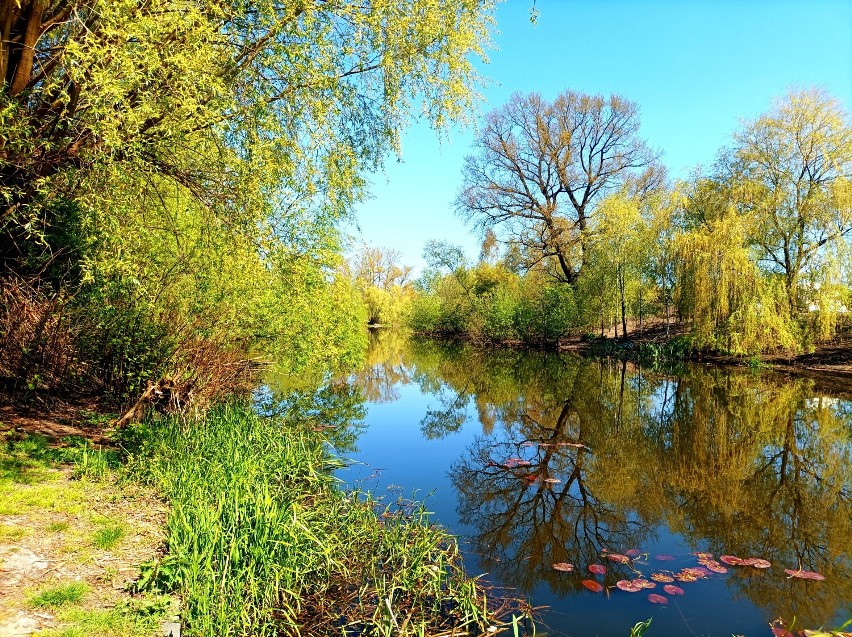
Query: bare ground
{"points": [[61, 533]]}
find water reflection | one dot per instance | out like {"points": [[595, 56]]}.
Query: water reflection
{"points": [[577, 456]]}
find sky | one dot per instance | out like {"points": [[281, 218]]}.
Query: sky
{"points": [[696, 68]]}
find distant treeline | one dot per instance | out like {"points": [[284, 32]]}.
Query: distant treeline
{"points": [[583, 233]]}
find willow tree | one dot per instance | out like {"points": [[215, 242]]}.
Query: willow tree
{"points": [[792, 168], [732, 305], [187, 142], [260, 110], [540, 168]]}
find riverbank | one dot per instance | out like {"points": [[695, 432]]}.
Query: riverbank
{"points": [[260, 538], [72, 536]]}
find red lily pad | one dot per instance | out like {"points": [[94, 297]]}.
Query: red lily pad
{"points": [[804, 574], [671, 589], [643, 583], [695, 571], [661, 577], [731, 560], [756, 562], [618, 557], [657, 599], [565, 567], [628, 586], [664, 558], [597, 569], [512, 463], [633, 553], [703, 556], [713, 565], [592, 585]]}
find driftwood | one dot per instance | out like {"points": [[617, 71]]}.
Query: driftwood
{"points": [[165, 396]]}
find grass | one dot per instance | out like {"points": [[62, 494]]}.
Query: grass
{"points": [[262, 542], [108, 536], [60, 595]]}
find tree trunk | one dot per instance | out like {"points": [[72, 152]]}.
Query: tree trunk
{"points": [[623, 303]]}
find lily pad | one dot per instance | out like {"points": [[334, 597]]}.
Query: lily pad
{"points": [[643, 583], [633, 553], [565, 567], [664, 558], [661, 577], [713, 565], [731, 560], [592, 585], [618, 557], [628, 586], [657, 599], [597, 569], [671, 589], [802, 574], [756, 562]]}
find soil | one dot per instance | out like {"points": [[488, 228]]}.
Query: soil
{"points": [[50, 520]]}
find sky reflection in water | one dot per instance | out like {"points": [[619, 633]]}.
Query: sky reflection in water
{"points": [[721, 461]]}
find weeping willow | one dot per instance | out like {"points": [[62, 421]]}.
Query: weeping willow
{"points": [[733, 307]]}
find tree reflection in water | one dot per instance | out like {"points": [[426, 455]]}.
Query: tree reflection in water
{"points": [[734, 463]]}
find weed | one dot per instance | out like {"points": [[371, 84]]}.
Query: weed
{"points": [[107, 537], [640, 627], [61, 595], [262, 541], [57, 527]]}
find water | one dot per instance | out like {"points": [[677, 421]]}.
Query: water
{"points": [[720, 461]]}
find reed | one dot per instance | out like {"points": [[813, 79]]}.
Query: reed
{"points": [[262, 541]]}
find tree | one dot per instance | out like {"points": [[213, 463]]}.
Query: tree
{"points": [[262, 109], [791, 170], [540, 168], [382, 281]]}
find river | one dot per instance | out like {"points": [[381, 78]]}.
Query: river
{"points": [[534, 459]]}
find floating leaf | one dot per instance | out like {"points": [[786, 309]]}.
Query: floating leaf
{"points": [[661, 577], [713, 565], [552, 480], [731, 560], [804, 574], [618, 557], [704, 556], [780, 631], [628, 586], [657, 599], [643, 583], [695, 571], [563, 566], [633, 553], [664, 558], [671, 589], [756, 562], [592, 585], [597, 569], [513, 463], [685, 577]]}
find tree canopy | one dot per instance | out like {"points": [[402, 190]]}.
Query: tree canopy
{"points": [[540, 167]]}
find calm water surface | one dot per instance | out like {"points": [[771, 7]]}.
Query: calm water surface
{"points": [[533, 459]]}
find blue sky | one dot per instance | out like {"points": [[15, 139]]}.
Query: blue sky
{"points": [[695, 68]]}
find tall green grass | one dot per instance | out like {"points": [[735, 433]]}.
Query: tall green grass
{"points": [[261, 541]]}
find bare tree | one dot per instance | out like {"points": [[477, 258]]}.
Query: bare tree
{"points": [[540, 168]]}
